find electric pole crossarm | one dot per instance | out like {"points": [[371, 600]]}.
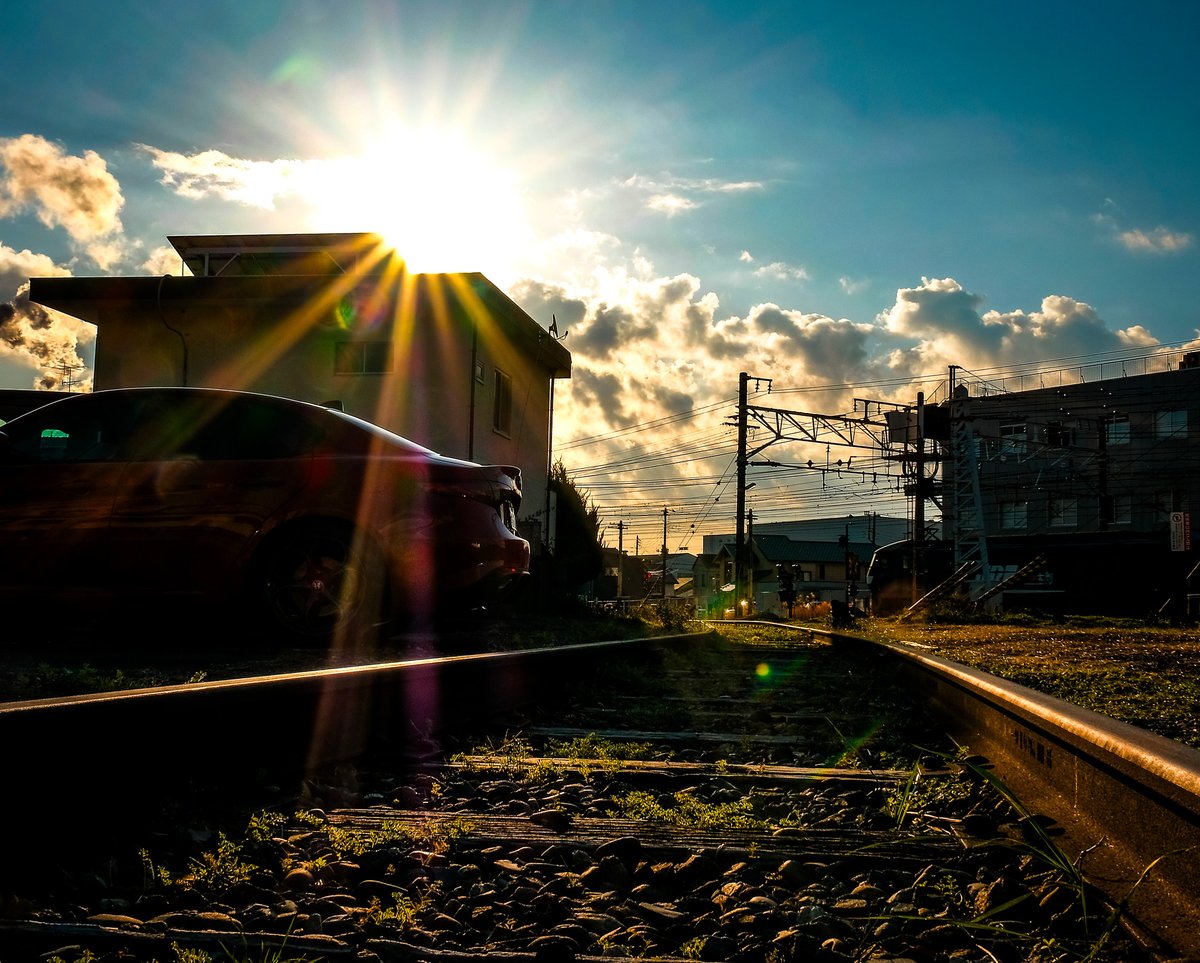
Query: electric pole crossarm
{"points": [[817, 428]]}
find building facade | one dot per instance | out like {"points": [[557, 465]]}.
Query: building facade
{"points": [[1098, 480]]}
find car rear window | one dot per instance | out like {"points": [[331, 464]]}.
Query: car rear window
{"points": [[357, 431]]}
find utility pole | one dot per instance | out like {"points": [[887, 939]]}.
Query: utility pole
{"points": [[664, 560], [750, 567], [620, 559], [739, 545]]}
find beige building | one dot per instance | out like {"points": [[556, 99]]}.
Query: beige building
{"points": [[447, 360]]}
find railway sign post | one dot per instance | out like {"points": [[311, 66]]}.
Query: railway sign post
{"points": [[1181, 531]]}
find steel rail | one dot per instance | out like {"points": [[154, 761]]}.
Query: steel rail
{"points": [[82, 770], [1125, 801]]}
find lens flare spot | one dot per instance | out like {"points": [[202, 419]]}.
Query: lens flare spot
{"points": [[762, 670]]}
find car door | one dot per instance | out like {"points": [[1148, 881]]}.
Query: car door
{"points": [[213, 468], [60, 470]]}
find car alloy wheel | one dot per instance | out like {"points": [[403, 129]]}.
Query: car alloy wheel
{"points": [[319, 581]]}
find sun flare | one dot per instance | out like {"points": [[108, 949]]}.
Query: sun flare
{"points": [[442, 204]]}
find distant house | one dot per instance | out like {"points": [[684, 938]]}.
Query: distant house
{"points": [[812, 550], [821, 571], [678, 576], [623, 576], [447, 360]]}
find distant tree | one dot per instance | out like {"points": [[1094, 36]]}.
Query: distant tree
{"points": [[578, 557]]}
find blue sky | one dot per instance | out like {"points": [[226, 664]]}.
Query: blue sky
{"points": [[843, 197]]}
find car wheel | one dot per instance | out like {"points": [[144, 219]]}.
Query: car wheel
{"points": [[319, 582]]}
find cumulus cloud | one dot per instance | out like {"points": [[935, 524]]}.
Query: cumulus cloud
{"points": [[164, 260], [52, 345], [781, 271], [76, 193], [1158, 240], [947, 325], [213, 173], [653, 345]]}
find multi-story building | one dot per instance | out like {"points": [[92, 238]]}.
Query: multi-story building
{"points": [[1090, 483]]}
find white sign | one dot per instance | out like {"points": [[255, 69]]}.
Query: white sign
{"points": [[1181, 531]]}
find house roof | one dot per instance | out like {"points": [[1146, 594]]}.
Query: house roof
{"points": [[210, 255], [276, 268], [778, 549]]}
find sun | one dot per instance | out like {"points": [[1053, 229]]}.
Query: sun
{"points": [[442, 204]]}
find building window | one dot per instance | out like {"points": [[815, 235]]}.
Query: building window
{"points": [[1170, 424], [502, 407], [1059, 435], [1116, 509], [1064, 512], [1116, 430], [1012, 437], [479, 371], [362, 357], [1014, 515], [1167, 502]]}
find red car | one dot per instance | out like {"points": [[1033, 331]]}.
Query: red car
{"points": [[318, 521]]}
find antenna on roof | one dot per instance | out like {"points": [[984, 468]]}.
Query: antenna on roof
{"points": [[554, 329]]}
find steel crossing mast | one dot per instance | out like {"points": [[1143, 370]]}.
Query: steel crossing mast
{"points": [[893, 423]]}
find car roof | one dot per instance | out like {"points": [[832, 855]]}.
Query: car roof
{"points": [[233, 395]]}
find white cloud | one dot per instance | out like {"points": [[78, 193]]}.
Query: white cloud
{"points": [[781, 271], [746, 256], [1158, 241], [851, 286], [674, 195], [77, 194], [164, 260], [670, 204], [947, 325], [55, 348], [17, 267], [213, 173]]}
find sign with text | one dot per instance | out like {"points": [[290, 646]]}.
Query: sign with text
{"points": [[1181, 531]]}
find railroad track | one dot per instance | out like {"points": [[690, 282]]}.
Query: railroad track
{"points": [[676, 798]]}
